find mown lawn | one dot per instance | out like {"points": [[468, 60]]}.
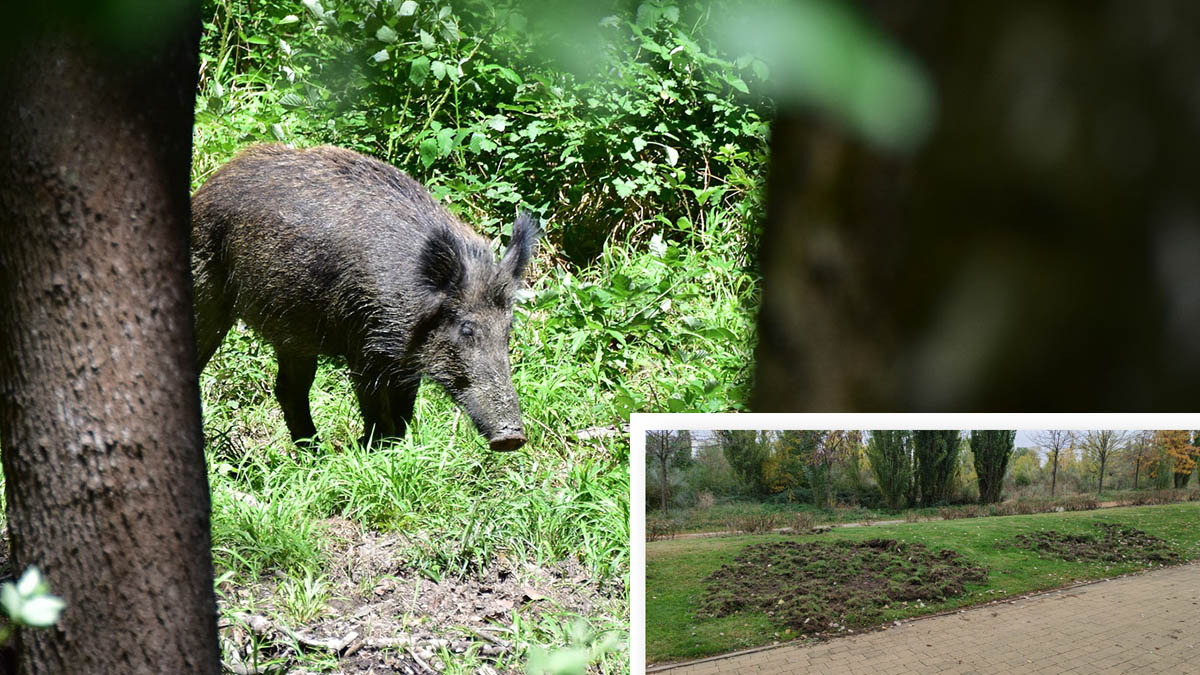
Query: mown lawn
{"points": [[676, 570]]}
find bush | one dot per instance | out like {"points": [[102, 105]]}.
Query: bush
{"points": [[468, 99], [662, 528], [755, 523]]}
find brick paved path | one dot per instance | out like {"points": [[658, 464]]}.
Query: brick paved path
{"points": [[1148, 623]]}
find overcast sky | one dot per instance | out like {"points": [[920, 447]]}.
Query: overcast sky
{"points": [[1024, 437]]}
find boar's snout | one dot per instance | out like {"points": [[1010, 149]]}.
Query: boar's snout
{"points": [[507, 441]]}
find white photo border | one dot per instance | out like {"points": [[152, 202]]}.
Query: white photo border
{"points": [[640, 423]]}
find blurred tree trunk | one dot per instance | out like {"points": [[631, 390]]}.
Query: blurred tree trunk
{"points": [[1036, 253], [99, 406]]}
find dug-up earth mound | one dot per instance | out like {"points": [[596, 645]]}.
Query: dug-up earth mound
{"points": [[385, 618], [826, 587], [1112, 542]]}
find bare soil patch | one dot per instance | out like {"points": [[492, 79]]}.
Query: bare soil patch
{"points": [[823, 587], [384, 618], [1112, 543]]}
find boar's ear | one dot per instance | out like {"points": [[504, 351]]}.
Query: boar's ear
{"points": [[525, 232], [440, 266]]}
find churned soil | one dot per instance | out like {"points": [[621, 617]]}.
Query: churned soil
{"points": [[380, 615], [826, 587], [1112, 543]]}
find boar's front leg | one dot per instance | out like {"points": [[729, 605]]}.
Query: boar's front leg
{"points": [[386, 410], [291, 390]]}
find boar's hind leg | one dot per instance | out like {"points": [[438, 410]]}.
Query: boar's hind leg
{"points": [[291, 390]]}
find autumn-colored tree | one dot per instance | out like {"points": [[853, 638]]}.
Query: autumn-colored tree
{"points": [[1177, 445]]}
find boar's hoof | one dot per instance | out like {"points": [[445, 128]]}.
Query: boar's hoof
{"points": [[507, 442]]}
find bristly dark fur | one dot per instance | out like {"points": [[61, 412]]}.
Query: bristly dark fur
{"points": [[328, 252]]}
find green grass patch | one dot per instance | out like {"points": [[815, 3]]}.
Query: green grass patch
{"points": [[677, 570]]}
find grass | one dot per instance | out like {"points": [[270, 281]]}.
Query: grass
{"points": [[728, 516], [677, 569], [657, 328]]}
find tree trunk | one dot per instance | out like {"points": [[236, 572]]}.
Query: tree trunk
{"points": [[1137, 469], [1100, 488], [1054, 474], [662, 472], [1041, 228], [99, 406]]}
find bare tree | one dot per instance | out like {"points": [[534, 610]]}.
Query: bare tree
{"points": [[1054, 441], [1100, 446], [99, 405], [1139, 445]]}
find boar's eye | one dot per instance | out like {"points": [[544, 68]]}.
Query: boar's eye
{"points": [[466, 329]]}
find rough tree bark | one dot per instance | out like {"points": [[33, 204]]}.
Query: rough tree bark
{"points": [[1034, 254], [99, 405]]}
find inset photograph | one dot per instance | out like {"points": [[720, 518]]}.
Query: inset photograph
{"points": [[986, 545]]}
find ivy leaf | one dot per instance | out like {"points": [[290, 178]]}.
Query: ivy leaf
{"points": [[639, 143], [380, 56], [672, 155], [419, 70]]}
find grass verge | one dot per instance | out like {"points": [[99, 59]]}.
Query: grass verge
{"points": [[677, 570]]}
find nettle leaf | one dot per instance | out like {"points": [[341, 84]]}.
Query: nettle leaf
{"points": [[419, 70], [291, 100], [386, 34], [407, 8], [439, 70], [497, 122], [445, 141], [671, 13], [427, 40], [428, 150]]}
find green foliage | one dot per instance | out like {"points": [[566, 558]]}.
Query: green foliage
{"points": [[935, 459], [890, 455], [746, 452], [991, 450], [465, 98]]}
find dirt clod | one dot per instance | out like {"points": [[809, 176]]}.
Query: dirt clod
{"points": [[824, 587]]}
